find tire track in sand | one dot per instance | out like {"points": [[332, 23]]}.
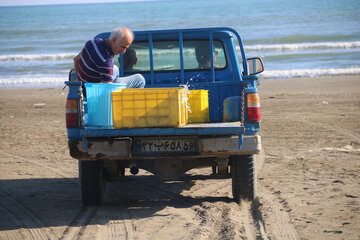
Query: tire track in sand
{"points": [[161, 210], [36, 228], [55, 169], [221, 218], [299, 117], [124, 228], [78, 225]]}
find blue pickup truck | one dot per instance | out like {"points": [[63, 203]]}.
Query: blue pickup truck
{"points": [[227, 143]]}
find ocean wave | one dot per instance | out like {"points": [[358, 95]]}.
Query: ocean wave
{"points": [[267, 74], [303, 38], [30, 57], [297, 46], [258, 47], [298, 73], [33, 80], [70, 56]]}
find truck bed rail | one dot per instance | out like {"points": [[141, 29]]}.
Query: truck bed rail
{"points": [[229, 128]]}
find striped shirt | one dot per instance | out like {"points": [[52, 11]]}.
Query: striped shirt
{"points": [[96, 62]]}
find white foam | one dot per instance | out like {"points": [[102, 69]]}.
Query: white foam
{"points": [[297, 46], [258, 47], [293, 73], [33, 80], [29, 57], [267, 74]]}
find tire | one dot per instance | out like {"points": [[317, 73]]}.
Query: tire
{"points": [[243, 178], [92, 182], [213, 168], [122, 172]]}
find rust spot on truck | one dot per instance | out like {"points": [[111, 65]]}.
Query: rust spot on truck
{"points": [[107, 149], [97, 156], [75, 151]]}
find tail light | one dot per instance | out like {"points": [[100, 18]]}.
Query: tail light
{"points": [[72, 113], [253, 107]]}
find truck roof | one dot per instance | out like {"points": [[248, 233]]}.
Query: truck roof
{"points": [[174, 33]]}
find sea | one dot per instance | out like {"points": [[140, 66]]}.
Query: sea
{"points": [[294, 38]]}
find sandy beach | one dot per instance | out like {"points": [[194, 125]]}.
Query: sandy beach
{"points": [[308, 187]]}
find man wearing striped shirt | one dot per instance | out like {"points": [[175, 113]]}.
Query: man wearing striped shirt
{"points": [[94, 64]]}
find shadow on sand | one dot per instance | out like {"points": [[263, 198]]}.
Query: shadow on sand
{"points": [[37, 203]]}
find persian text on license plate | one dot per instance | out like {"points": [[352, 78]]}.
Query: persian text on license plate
{"points": [[160, 145]]}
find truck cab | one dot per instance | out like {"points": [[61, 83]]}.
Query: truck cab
{"points": [[211, 59]]}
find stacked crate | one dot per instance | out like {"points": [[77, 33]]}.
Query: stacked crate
{"points": [[199, 106], [158, 107]]}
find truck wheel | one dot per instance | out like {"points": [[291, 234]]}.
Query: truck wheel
{"points": [[214, 168], [243, 177], [122, 172], [92, 182]]}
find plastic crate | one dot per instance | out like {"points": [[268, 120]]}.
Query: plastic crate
{"points": [[199, 106], [99, 107], [149, 107]]}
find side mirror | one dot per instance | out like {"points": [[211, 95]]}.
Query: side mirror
{"points": [[255, 66]]}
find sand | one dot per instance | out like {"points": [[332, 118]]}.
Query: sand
{"points": [[308, 186]]}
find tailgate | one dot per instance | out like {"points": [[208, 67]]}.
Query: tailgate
{"points": [[205, 139]]}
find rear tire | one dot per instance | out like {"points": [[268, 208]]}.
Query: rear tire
{"points": [[214, 168], [122, 172], [243, 177], [92, 182]]}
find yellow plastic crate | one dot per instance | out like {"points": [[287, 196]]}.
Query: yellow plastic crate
{"points": [[199, 106], [149, 107]]}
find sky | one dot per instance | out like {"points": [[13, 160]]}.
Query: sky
{"points": [[47, 2]]}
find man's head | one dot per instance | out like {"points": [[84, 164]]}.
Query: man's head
{"points": [[120, 39], [203, 56], [129, 59]]}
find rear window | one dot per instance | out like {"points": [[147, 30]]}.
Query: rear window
{"points": [[166, 56]]}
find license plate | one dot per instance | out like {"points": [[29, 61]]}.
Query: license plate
{"points": [[164, 146]]}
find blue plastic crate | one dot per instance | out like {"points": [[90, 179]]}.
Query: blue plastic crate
{"points": [[99, 106]]}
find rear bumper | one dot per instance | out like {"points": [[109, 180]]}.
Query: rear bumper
{"points": [[120, 148]]}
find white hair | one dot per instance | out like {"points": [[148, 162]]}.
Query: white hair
{"points": [[118, 33]]}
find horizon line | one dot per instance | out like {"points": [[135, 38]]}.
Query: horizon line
{"points": [[75, 2]]}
